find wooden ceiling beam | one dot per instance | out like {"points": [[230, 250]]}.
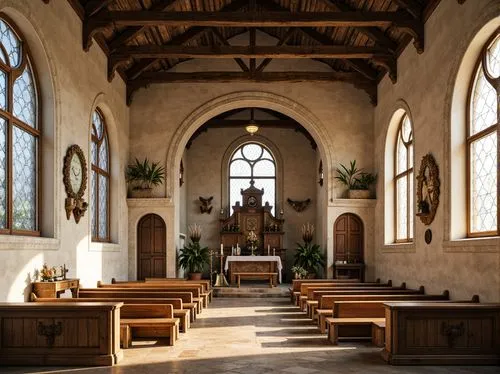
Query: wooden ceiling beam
{"points": [[222, 40], [131, 32], [411, 6], [231, 123], [250, 19], [282, 41], [93, 7], [227, 51], [145, 79]]}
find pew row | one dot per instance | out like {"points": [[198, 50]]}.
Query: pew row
{"points": [[186, 297], [328, 302], [307, 292], [179, 312], [296, 284], [196, 289]]}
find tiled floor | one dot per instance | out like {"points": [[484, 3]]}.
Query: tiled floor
{"points": [[252, 335]]}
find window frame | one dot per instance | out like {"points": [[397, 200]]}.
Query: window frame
{"points": [[100, 172], [470, 139], [403, 174], [11, 121], [251, 177]]}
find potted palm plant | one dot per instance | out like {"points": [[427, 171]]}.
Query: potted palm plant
{"points": [[356, 180], [193, 257], [309, 256], [142, 176]]}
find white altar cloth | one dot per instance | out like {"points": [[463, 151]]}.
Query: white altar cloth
{"points": [[255, 258]]}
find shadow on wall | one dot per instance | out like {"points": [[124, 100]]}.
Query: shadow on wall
{"points": [[20, 278]]}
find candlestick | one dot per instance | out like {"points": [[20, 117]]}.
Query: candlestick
{"points": [[221, 249], [268, 249]]}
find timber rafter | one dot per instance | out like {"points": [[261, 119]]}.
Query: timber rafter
{"points": [[359, 42]]}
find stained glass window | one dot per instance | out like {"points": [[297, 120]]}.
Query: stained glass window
{"points": [[482, 142], [99, 179], [403, 181], [19, 136], [252, 162]]}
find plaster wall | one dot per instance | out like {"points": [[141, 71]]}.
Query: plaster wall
{"points": [[426, 83], [72, 84], [164, 116]]}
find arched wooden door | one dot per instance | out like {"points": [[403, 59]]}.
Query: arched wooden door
{"points": [[151, 247], [348, 234]]}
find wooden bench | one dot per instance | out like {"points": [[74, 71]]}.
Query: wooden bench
{"points": [[335, 323], [150, 320], [196, 289], [297, 283], [104, 293], [327, 302], [310, 303], [378, 333], [271, 276], [179, 308]]}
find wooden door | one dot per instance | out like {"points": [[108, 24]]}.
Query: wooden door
{"points": [[151, 247], [348, 234]]}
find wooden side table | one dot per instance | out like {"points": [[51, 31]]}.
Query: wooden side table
{"points": [[54, 289]]}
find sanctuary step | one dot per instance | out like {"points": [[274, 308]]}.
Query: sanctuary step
{"points": [[253, 290]]}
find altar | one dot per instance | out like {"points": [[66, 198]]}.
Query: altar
{"points": [[253, 264]]}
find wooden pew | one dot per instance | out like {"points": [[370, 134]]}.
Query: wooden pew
{"points": [[296, 283], [179, 310], [104, 293], [327, 302], [149, 321], [306, 293], [196, 289], [442, 333]]}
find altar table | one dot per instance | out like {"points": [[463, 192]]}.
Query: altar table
{"points": [[253, 264]]}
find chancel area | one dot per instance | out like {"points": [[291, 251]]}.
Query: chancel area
{"points": [[249, 186]]}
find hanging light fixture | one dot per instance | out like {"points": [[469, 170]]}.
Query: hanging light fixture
{"points": [[252, 127]]}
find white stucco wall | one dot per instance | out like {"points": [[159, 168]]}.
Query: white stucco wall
{"points": [[426, 83], [73, 83]]}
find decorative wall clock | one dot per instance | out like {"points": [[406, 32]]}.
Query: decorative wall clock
{"points": [[75, 182], [427, 189]]}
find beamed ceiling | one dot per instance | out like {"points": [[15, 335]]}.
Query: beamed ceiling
{"points": [[359, 40]]}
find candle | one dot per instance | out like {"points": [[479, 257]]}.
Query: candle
{"points": [[268, 249], [221, 248], [274, 251]]}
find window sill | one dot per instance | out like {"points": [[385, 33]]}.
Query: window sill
{"points": [[104, 247], [399, 248], [11, 242], [473, 245]]}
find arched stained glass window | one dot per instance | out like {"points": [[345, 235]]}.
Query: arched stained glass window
{"points": [[19, 136], [403, 181], [482, 143], [99, 180], [252, 161]]}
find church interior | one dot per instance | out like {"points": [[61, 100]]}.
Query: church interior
{"points": [[250, 186]]}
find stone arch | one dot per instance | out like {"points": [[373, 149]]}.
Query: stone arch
{"points": [[401, 108], [51, 118], [454, 120], [117, 180], [236, 100]]}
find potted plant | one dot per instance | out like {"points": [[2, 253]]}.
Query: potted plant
{"points": [[309, 256], [143, 176], [356, 180], [193, 257], [299, 272]]}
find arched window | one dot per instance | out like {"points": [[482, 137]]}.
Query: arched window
{"points": [[482, 143], [403, 181], [99, 180], [249, 162], [19, 136]]}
